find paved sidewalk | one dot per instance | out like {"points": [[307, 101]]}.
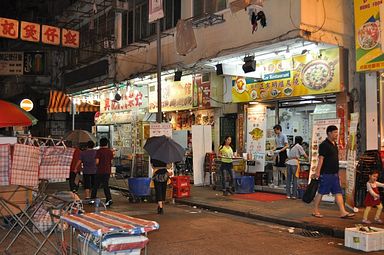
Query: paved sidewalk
{"points": [[286, 212]]}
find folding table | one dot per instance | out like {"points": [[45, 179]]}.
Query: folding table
{"points": [[104, 223]]}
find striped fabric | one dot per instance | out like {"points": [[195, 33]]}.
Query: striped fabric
{"points": [[55, 162], [106, 222], [25, 165], [60, 102], [5, 164]]}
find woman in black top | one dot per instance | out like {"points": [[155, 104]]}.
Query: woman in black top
{"points": [[160, 178]]}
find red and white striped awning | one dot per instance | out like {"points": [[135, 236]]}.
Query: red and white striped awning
{"points": [[60, 102]]}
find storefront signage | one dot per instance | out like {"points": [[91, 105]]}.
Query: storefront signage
{"points": [[175, 95], [351, 161], [9, 28], [369, 48], [11, 63], [26, 104], [131, 97], [308, 74], [256, 136], [201, 92], [159, 129], [34, 63], [319, 134]]}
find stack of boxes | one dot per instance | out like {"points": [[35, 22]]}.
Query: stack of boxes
{"points": [[181, 186]]}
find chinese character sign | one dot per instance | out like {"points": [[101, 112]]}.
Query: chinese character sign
{"points": [[70, 38], [9, 28], [30, 31], [155, 10], [50, 35]]}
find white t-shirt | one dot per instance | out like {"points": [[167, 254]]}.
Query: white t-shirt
{"points": [[296, 152]]}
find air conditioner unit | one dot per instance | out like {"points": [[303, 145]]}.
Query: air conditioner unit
{"points": [[120, 5]]}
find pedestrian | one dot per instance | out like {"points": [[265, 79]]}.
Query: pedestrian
{"points": [[280, 153], [328, 172], [88, 159], [373, 197], [74, 168], [293, 165], [161, 173], [104, 157], [226, 155]]}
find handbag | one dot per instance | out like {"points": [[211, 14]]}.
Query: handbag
{"points": [[310, 193]]}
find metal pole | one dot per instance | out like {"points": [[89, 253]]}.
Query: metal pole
{"points": [[277, 113], [159, 116], [73, 114]]}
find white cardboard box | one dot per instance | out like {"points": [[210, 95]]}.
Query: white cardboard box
{"points": [[364, 241]]}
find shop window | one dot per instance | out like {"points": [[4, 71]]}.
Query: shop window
{"points": [[202, 7]]}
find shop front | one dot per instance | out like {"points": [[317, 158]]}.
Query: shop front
{"points": [[301, 93]]}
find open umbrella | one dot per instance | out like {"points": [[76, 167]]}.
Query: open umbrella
{"points": [[164, 149], [13, 116], [80, 136]]}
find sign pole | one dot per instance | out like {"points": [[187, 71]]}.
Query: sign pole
{"points": [[159, 117]]}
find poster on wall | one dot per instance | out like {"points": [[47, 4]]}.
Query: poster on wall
{"points": [[256, 136], [175, 95], [300, 75], [368, 44], [11, 63], [351, 161], [319, 134]]}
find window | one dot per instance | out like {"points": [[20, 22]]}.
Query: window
{"points": [[135, 21], [202, 7]]}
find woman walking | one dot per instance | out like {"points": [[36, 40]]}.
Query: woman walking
{"points": [[161, 173], [226, 155]]}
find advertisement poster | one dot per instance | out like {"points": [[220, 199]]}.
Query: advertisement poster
{"points": [[351, 161], [175, 95], [34, 63], [369, 48], [319, 134], [201, 93], [256, 136], [11, 63], [308, 74]]}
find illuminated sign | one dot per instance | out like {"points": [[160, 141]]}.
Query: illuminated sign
{"points": [[26, 104]]}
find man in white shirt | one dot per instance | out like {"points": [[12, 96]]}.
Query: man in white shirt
{"points": [[280, 152]]}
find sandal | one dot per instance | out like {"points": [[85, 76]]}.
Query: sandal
{"points": [[348, 215], [317, 215]]}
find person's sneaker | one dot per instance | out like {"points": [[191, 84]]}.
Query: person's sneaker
{"points": [[230, 191], [366, 221], [108, 203], [288, 197], [378, 221], [294, 198], [91, 202]]}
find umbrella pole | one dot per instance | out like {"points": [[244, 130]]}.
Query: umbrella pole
{"points": [[73, 115]]}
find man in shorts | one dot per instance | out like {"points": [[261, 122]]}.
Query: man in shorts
{"points": [[328, 172]]}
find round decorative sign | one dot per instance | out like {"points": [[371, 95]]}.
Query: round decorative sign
{"points": [[26, 104]]}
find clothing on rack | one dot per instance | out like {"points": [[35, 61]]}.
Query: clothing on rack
{"points": [[55, 162], [25, 165], [5, 164]]}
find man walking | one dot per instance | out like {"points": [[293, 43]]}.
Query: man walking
{"points": [[328, 172], [104, 157], [282, 145]]}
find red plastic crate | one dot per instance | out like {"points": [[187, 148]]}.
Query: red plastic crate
{"points": [[181, 182], [182, 192]]}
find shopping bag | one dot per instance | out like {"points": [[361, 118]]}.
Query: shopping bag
{"points": [[310, 193], [5, 163], [25, 165], [55, 162]]}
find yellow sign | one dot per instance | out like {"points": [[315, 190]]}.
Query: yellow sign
{"points": [[308, 74], [9, 28], [26, 105], [369, 50]]}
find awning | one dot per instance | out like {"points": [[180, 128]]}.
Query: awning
{"points": [[60, 102]]}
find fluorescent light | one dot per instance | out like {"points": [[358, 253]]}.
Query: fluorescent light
{"points": [[253, 102], [308, 97]]}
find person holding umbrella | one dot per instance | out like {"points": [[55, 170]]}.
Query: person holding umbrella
{"points": [[161, 173], [163, 151]]}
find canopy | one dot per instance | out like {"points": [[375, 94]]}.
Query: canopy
{"points": [[11, 115], [60, 102]]}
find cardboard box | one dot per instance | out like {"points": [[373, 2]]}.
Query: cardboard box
{"points": [[364, 241]]}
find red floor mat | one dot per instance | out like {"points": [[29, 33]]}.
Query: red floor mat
{"points": [[260, 196]]}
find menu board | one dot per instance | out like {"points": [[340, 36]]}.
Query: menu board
{"points": [[159, 129], [307, 74], [256, 135], [351, 161], [175, 95], [319, 134]]}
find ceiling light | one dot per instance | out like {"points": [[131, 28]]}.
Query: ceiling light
{"points": [[308, 97], [254, 102]]}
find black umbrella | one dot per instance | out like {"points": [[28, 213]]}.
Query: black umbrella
{"points": [[164, 149]]}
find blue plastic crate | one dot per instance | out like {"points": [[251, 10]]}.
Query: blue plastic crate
{"points": [[140, 186]]}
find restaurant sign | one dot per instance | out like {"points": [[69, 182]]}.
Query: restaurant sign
{"points": [[175, 95], [9, 28], [369, 45], [301, 75], [131, 98]]}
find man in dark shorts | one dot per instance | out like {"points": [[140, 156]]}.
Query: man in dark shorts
{"points": [[328, 172]]}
